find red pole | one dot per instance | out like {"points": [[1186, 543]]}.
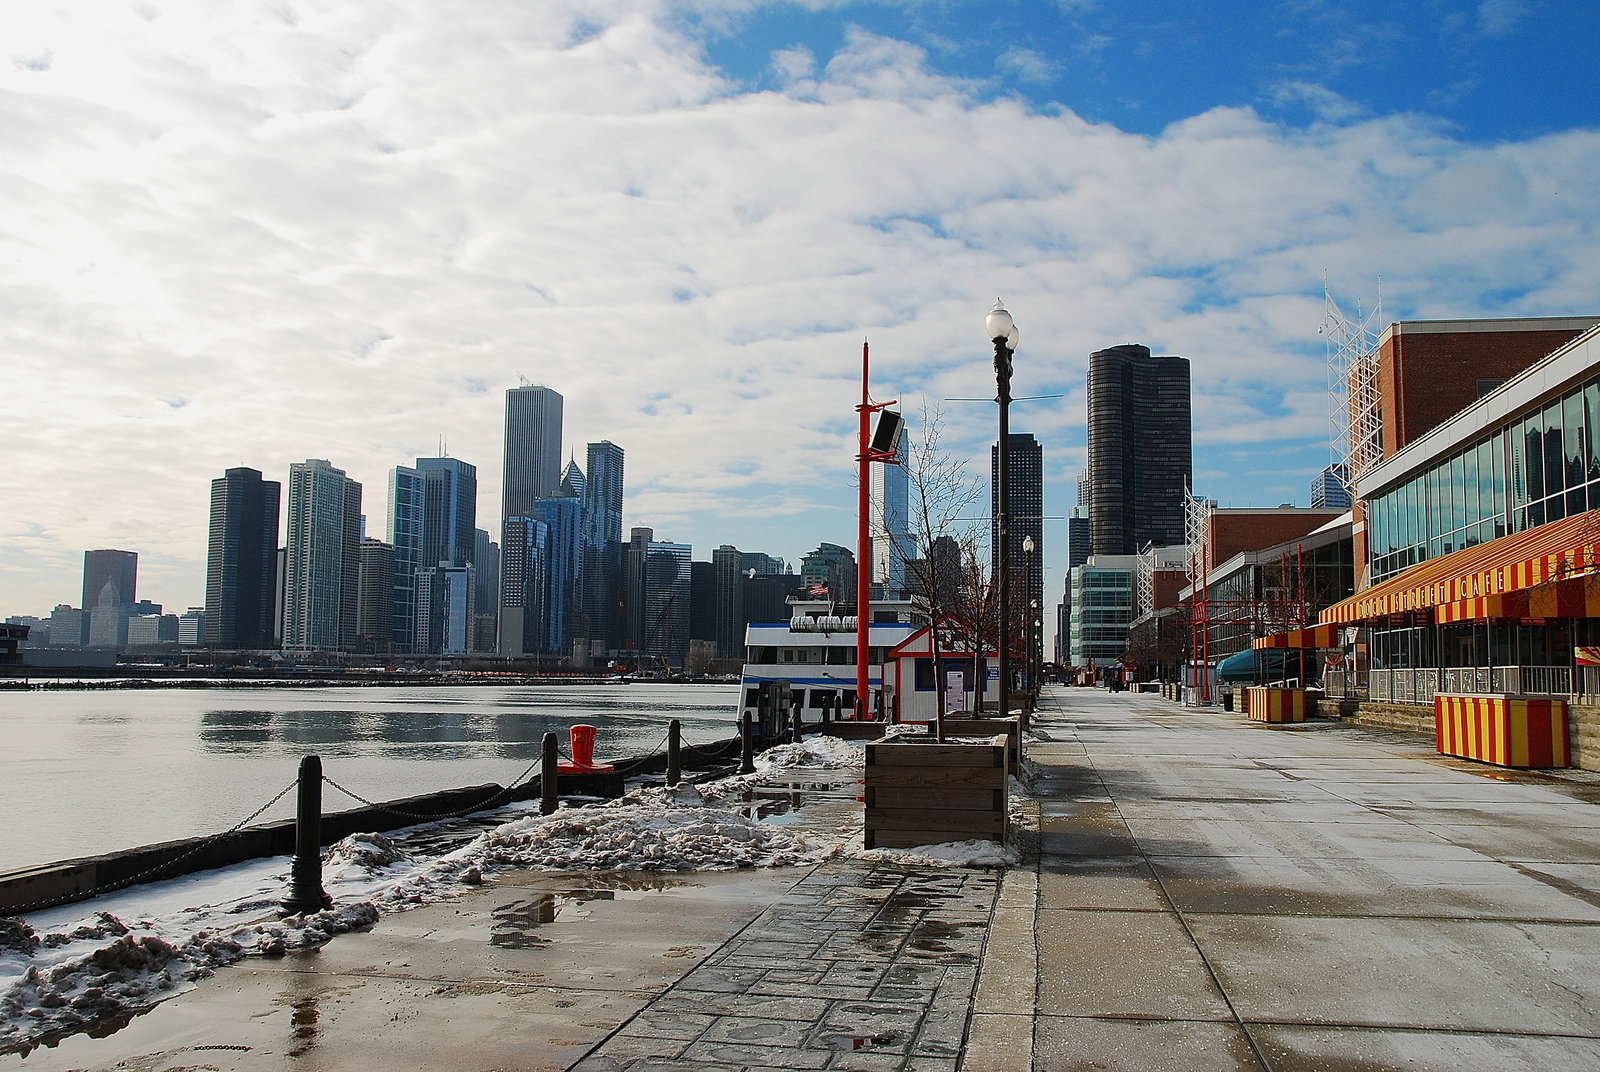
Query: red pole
{"points": [[863, 547]]}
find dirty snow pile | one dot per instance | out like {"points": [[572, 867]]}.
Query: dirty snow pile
{"points": [[649, 830], [62, 980]]}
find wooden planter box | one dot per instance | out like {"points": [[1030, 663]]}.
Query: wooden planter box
{"points": [[1011, 726], [1262, 704], [1504, 730], [920, 792]]}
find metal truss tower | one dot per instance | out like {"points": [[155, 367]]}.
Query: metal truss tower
{"points": [[1355, 418]]}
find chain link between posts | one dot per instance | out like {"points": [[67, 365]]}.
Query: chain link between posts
{"points": [[713, 750], [149, 873]]}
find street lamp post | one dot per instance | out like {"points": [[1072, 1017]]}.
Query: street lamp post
{"points": [[1003, 333], [1027, 624]]}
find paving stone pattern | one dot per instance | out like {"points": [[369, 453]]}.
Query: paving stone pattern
{"points": [[859, 966]]}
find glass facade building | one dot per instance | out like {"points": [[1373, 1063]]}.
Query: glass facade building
{"points": [[1541, 466]]}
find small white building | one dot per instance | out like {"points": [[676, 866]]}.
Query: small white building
{"points": [[911, 680]]}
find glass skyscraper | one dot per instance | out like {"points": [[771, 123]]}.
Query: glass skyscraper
{"points": [[532, 449], [323, 561]]}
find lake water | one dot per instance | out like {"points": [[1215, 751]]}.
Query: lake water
{"points": [[84, 772]]}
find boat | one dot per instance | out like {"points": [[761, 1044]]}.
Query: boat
{"points": [[815, 652]]}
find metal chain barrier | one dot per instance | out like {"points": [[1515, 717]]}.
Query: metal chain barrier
{"points": [[483, 805], [146, 875]]}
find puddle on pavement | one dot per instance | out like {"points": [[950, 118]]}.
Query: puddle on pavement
{"points": [[781, 804], [514, 923]]}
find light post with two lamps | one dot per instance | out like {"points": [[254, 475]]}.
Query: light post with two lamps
{"points": [[1003, 333]]}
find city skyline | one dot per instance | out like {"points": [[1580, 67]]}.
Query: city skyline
{"points": [[343, 234]]}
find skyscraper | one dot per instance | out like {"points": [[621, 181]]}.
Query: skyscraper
{"points": [[602, 569], [891, 543], [524, 560], [408, 509], [242, 561], [375, 604], [727, 601], [532, 449], [1330, 489], [1139, 449], [1025, 475], [532, 472], [121, 568], [450, 515], [321, 591], [433, 514], [562, 516]]}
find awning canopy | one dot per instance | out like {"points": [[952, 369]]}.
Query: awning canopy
{"points": [[1315, 636], [1512, 563], [1570, 597]]}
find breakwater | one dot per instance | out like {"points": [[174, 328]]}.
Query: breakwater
{"points": [[68, 881]]}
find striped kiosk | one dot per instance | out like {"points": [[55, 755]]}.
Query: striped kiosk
{"points": [[1503, 730]]}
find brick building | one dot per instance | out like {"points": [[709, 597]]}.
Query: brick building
{"points": [[1430, 370]]}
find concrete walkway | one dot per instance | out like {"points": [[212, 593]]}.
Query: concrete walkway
{"points": [[1217, 894], [1208, 894]]}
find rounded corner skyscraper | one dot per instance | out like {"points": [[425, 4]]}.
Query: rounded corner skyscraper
{"points": [[1140, 449]]}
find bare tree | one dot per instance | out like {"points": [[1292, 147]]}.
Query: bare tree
{"points": [[940, 497]]}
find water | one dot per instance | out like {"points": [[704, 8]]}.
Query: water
{"points": [[85, 772]]}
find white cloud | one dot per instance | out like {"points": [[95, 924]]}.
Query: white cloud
{"points": [[342, 230], [1026, 65], [1497, 18]]}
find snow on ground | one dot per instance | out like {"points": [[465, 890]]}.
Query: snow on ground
{"points": [[68, 967]]}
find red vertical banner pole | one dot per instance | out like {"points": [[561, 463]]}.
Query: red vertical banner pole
{"points": [[863, 547]]}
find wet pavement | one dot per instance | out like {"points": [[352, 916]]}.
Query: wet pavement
{"points": [[1208, 893], [1217, 894]]}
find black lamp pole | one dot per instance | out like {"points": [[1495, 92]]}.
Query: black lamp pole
{"points": [[1003, 332]]}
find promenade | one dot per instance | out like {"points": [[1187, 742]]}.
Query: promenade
{"points": [[1206, 893]]}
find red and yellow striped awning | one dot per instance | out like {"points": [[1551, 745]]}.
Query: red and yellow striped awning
{"points": [[1570, 597], [1514, 563], [1315, 636]]}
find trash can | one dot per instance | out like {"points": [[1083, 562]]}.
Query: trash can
{"points": [[1227, 700]]}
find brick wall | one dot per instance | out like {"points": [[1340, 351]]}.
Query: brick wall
{"points": [[1233, 531], [1425, 378]]}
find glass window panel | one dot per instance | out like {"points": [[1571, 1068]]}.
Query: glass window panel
{"points": [[1413, 513], [1577, 454], [1435, 515], [1553, 466], [1591, 415], [1485, 481], [1457, 495], [1516, 472], [1531, 438], [1470, 489], [1497, 460]]}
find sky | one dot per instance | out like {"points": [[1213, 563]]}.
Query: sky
{"points": [[239, 233]]}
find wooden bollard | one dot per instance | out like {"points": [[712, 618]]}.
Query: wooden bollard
{"points": [[747, 745], [305, 871], [547, 776], [795, 733], [674, 752]]}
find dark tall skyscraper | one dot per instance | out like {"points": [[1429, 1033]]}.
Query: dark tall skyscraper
{"points": [[242, 561], [1140, 457], [1026, 484], [532, 449], [602, 568], [121, 568]]}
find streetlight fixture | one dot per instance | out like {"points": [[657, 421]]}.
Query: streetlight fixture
{"points": [[1003, 333], [1027, 625]]}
